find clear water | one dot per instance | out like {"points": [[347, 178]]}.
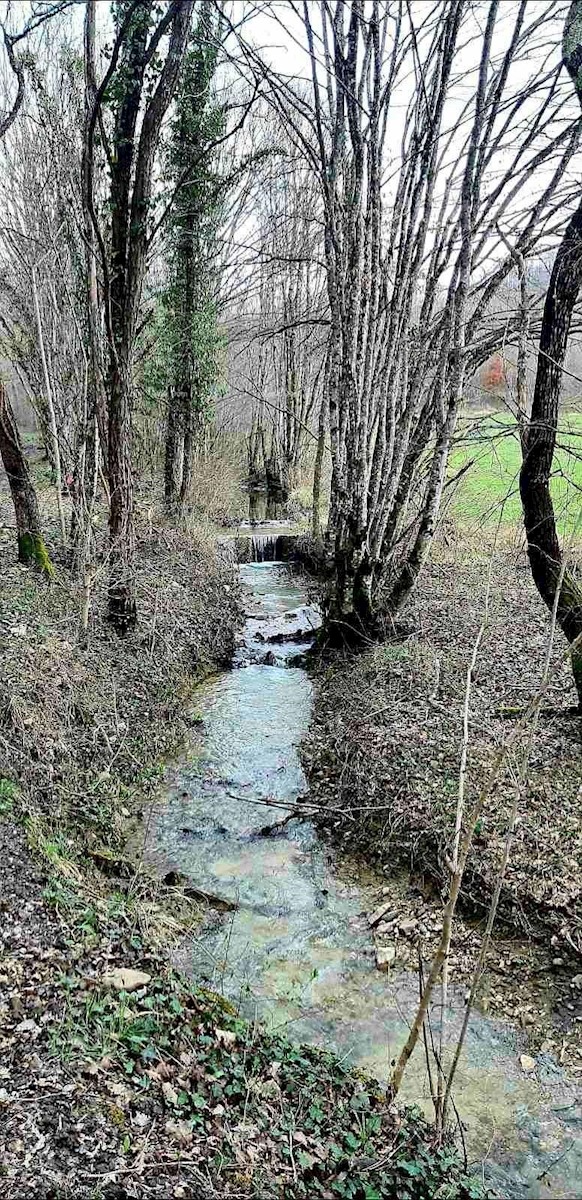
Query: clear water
{"points": [[297, 950]]}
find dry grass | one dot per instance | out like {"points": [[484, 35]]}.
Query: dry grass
{"points": [[386, 739], [80, 725]]}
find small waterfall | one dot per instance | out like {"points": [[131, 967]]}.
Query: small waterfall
{"points": [[258, 547], [263, 548]]}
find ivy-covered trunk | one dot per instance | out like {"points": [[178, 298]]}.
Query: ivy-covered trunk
{"points": [[143, 86], [193, 338], [31, 545]]}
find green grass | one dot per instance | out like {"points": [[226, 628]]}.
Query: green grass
{"points": [[8, 794], [490, 487]]}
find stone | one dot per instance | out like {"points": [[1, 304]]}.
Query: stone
{"points": [[382, 913], [528, 1064], [124, 979], [385, 956], [386, 926], [576, 981], [408, 925]]}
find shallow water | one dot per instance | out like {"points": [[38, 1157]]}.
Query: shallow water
{"points": [[297, 949]]}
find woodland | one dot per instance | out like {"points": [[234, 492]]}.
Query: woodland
{"points": [[290, 376]]}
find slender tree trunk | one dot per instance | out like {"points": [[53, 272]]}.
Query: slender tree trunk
{"points": [[173, 452], [31, 545], [188, 453], [539, 443], [122, 609], [539, 437], [318, 467], [51, 411]]}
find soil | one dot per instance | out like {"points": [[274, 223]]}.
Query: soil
{"points": [[117, 1085], [383, 762]]}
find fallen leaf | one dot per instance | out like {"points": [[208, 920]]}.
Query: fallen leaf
{"points": [[179, 1131], [169, 1093], [124, 979], [225, 1037]]}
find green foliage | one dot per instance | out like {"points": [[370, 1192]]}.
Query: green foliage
{"points": [[189, 346], [8, 794], [32, 549], [336, 1129]]}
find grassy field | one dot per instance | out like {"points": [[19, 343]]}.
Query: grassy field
{"points": [[491, 485]]}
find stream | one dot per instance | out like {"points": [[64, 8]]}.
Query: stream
{"points": [[296, 949]]}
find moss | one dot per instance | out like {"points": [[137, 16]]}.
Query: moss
{"points": [[32, 549]]}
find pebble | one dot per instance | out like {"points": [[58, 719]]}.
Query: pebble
{"points": [[385, 956], [408, 925], [386, 926], [382, 913]]}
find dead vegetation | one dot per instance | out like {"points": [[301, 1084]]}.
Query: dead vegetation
{"points": [[383, 762], [81, 719], [118, 1079]]}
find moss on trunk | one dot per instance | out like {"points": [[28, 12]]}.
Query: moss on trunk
{"points": [[32, 551]]}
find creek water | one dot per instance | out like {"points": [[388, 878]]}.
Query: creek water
{"points": [[295, 949]]}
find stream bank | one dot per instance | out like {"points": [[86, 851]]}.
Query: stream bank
{"points": [[382, 757], [118, 1079], [295, 946]]}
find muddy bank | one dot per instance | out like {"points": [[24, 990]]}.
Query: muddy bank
{"points": [[294, 938], [80, 724], [382, 758], [120, 1079]]}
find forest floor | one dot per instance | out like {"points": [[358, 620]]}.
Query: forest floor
{"points": [[383, 762], [118, 1078]]}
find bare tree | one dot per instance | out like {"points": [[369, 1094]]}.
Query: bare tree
{"points": [[285, 338], [139, 83], [31, 545], [539, 437], [413, 180]]}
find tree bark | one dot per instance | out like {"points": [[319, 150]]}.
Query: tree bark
{"points": [[187, 454], [31, 545], [173, 452], [318, 468], [539, 443], [539, 436], [130, 197], [122, 608]]}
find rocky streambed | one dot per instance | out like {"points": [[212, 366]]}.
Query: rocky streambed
{"points": [[292, 939]]}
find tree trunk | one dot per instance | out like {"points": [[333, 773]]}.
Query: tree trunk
{"points": [[539, 444], [122, 609], [31, 545], [188, 453], [174, 451], [318, 468]]}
